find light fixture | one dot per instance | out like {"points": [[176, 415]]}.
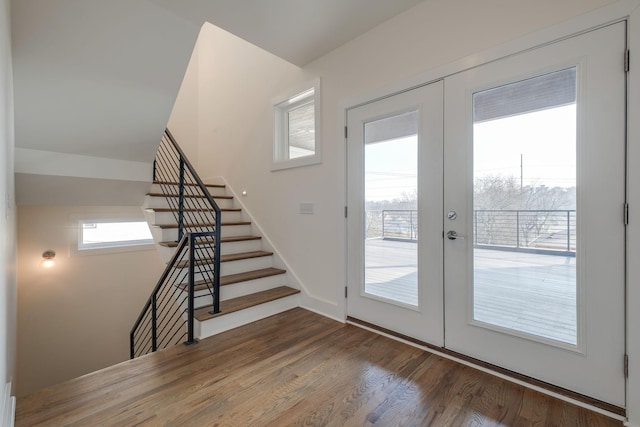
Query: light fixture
{"points": [[48, 257]]}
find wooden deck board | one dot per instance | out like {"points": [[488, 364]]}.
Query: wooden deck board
{"points": [[530, 293], [296, 368]]}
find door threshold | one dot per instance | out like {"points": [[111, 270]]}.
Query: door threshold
{"points": [[578, 399]]}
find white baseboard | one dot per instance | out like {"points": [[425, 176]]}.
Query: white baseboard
{"points": [[8, 409]]}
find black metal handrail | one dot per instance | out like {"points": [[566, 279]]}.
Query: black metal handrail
{"points": [[168, 316]]}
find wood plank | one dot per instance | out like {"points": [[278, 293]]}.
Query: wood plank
{"points": [[296, 368], [236, 304], [530, 293], [231, 239], [244, 255], [228, 224], [227, 258], [189, 184], [193, 210], [190, 196], [230, 279]]}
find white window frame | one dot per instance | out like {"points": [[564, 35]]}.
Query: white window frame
{"points": [[78, 248], [281, 108]]}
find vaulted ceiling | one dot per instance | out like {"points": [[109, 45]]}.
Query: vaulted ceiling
{"points": [[99, 77]]}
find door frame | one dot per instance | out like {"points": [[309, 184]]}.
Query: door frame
{"points": [[623, 10]]}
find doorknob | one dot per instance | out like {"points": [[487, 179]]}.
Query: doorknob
{"points": [[452, 235]]}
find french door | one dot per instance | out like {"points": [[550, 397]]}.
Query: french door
{"points": [[500, 233], [395, 195]]}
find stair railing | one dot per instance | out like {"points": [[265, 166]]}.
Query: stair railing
{"points": [[168, 316]]}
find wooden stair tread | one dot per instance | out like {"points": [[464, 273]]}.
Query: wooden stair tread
{"points": [[192, 210], [230, 279], [189, 185], [246, 301], [173, 244], [244, 255], [188, 196], [232, 223], [228, 258]]}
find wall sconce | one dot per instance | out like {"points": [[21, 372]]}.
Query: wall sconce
{"points": [[48, 257]]}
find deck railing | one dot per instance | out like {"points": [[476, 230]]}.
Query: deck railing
{"points": [[531, 230]]}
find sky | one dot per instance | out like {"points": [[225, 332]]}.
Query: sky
{"points": [[545, 139]]}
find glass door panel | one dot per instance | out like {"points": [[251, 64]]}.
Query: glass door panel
{"points": [[524, 207], [391, 208]]}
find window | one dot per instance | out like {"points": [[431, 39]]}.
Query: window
{"points": [[103, 234], [296, 129]]}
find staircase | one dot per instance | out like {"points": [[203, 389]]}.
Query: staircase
{"points": [[250, 286]]}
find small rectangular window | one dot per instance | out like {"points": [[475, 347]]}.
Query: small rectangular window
{"points": [[296, 125], [101, 234]]}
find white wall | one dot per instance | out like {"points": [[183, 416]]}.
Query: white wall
{"points": [[75, 317], [7, 206], [237, 82]]}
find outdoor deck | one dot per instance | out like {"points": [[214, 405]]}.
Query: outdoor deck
{"points": [[530, 293]]}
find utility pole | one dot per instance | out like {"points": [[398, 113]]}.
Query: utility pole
{"points": [[521, 174]]}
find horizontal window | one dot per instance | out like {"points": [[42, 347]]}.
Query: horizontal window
{"points": [[101, 234]]}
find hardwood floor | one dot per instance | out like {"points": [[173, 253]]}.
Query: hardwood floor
{"points": [[296, 368]]}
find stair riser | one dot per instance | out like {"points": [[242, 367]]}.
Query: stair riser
{"points": [[227, 248], [169, 218], [214, 191], [161, 202], [241, 266], [244, 265], [233, 320], [170, 234], [242, 246], [241, 289]]}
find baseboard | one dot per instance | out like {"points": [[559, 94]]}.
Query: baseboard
{"points": [[322, 308], [7, 416]]}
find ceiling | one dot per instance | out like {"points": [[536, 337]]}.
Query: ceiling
{"points": [[297, 31], [100, 77]]}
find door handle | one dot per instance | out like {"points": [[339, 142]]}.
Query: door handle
{"points": [[452, 235]]}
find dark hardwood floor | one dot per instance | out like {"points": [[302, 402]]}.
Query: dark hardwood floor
{"points": [[296, 368]]}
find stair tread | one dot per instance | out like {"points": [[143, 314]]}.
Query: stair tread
{"points": [[236, 304], [190, 185], [192, 210], [228, 258], [173, 244], [230, 279], [244, 255], [228, 223], [187, 195]]}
